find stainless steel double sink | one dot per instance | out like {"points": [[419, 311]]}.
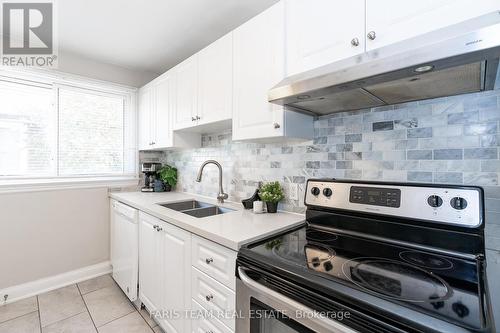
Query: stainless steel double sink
{"points": [[196, 208]]}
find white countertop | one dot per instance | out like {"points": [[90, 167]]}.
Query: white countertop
{"points": [[232, 229]]}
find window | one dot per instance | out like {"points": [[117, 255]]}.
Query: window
{"points": [[52, 130], [27, 130], [90, 133]]}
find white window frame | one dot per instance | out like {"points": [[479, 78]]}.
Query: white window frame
{"points": [[57, 81]]}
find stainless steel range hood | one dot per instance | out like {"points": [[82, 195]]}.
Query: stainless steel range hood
{"points": [[456, 60]]}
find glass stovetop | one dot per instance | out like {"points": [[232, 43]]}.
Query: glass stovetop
{"points": [[443, 286]]}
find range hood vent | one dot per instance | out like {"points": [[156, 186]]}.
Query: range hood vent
{"points": [[456, 60]]}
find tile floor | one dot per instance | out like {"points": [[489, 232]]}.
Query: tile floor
{"points": [[96, 305]]}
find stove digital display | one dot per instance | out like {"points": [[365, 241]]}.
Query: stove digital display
{"points": [[388, 197]]}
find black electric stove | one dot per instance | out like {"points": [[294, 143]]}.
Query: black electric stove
{"points": [[396, 257]]}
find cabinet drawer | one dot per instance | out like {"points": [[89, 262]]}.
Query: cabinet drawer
{"points": [[213, 296], [215, 260], [206, 323]]}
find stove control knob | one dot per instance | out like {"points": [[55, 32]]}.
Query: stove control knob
{"points": [[435, 201], [315, 191], [460, 309], [327, 192], [458, 203]]}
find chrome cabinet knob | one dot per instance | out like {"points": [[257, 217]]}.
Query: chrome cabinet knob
{"points": [[209, 297], [159, 229], [276, 125], [153, 143], [355, 42], [198, 117], [193, 119], [209, 261], [155, 226], [371, 35]]}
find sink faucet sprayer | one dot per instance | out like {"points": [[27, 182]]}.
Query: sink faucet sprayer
{"points": [[221, 196]]}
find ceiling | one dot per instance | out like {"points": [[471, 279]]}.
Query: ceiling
{"points": [[148, 35]]}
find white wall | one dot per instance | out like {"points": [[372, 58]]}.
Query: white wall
{"points": [[51, 232], [75, 64]]}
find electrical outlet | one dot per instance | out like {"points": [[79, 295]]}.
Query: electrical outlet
{"points": [[293, 191]]}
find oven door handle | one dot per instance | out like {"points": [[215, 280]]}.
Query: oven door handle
{"points": [[320, 321]]}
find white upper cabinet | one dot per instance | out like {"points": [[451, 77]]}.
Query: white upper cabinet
{"points": [[215, 81], [259, 64], [164, 90], [323, 31], [157, 106], [186, 93], [231, 78], [391, 21], [145, 117]]}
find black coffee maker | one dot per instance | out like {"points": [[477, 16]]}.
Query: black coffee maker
{"points": [[149, 170]]}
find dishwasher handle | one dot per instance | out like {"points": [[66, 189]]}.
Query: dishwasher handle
{"points": [[321, 322]]}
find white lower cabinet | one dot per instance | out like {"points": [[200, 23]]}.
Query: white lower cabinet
{"points": [[213, 296], [217, 261], [180, 272], [164, 272], [150, 258], [206, 322]]}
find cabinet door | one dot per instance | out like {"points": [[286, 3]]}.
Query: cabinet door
{"points": [[215, 84], [150, 262], [145, 113], [164, 102], [259, 64], [395, 20], [176, 246], [186, 93], [322, 33]]}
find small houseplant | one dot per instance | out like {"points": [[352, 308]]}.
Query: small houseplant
{"points": [[271, 193], [168, 174]]}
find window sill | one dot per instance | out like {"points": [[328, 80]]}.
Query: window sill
{"points": [[51, 184]]}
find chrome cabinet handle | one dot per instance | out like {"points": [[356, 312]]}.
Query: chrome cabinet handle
{"points": [[155, 227], [193, 119], [198, 117], [209, 297], [153, 143], [209, 260], [371, 35], [276, 125], [159, 229], [355, 42]]}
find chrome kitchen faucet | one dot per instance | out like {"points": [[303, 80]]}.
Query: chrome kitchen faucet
{"points": [[221, 196]]}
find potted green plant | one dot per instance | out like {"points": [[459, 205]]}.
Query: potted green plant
{"points": [[271, 193], [168, 174]]}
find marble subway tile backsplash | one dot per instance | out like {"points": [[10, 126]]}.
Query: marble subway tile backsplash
{"points": [[450, 140]]}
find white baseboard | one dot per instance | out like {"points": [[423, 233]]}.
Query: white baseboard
{"points": [[25, 290]]}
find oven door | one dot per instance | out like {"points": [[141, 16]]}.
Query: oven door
{"points": [[263, 310]]}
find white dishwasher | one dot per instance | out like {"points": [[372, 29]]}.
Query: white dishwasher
{"points": [[125, 247]]}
